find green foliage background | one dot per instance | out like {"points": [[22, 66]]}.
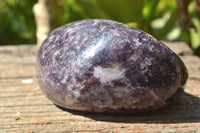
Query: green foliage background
{"points": [[157, 17], [17, 24]]}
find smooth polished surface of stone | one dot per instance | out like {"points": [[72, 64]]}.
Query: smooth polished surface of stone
{"points": [[106, 66]]}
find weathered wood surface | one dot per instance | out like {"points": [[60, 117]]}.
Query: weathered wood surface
{"points": [[23, 107]]}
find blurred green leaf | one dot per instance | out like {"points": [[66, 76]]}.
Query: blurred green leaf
{"points": [[71, 12], [195, 39], [17, 22], [194, 33], [91, 9], [122, 10], [168, 25], [149, 9]]}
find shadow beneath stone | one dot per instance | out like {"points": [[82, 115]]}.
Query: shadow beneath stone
{"points": [[185, 109]]}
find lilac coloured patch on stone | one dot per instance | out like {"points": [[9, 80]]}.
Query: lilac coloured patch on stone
{"points": [[106, 66]]}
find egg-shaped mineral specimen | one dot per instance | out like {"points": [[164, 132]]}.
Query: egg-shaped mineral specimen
{"points": [[106, 66]]}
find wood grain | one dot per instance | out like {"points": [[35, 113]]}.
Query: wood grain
{"points": [[23, 107]]}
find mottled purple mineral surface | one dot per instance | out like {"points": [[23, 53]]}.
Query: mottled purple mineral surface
{"points": [[106, 66]]}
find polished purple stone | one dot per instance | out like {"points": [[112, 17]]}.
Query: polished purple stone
{"points": [[106, 66]]}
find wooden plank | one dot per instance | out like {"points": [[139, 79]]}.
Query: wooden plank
{"points": [[23, 107]]}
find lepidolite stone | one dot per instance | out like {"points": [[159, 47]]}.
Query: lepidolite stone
{"points": [[106, 66]]}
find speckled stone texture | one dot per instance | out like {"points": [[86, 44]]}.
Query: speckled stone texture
{"points": [[105, 66]]}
